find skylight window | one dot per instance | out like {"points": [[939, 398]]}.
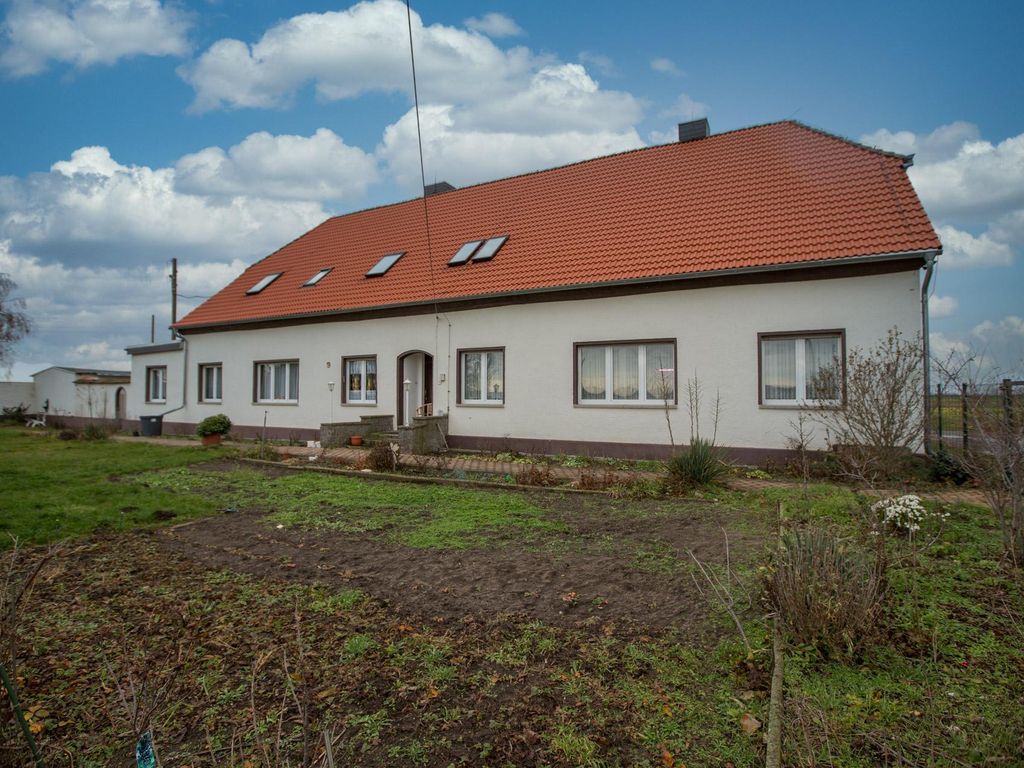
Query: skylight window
{"points": [[317, 277], [462, 255], [263, 283], [488, 249], [386, 263]]}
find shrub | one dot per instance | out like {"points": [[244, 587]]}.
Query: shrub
{"points": [[535, 474], [218, 424], [15, 414], [592, 481], [67, 434], [699, 464], [903, 514], [944, 466], [95, 431], [381, 458], [826, 592]]}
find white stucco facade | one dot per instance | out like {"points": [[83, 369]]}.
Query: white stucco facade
{"points": [[16, 393], [715, 330], [76, 393]]}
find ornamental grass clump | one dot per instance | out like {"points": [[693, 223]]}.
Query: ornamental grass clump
{"points": [[700, 464], [827, 593]]}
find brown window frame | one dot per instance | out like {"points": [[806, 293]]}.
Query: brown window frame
{"points": [[200, 396], [840, 332], [344, 380], [149, 382], [256, 381], [624, 403], [458, 376]]}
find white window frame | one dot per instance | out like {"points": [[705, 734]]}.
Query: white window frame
{"points": [[346, 393], [290, 398], [157, 393], [483, 400], [799, 340], [217, 370], [609, 398]]}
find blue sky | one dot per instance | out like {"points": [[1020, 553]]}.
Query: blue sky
{"points": [[135, 130]]}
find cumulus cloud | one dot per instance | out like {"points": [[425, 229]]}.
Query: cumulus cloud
{"points": [[599, 63], [91, 207], [942, 306], [84, 33], [494, 25], [320, 167], [961, 250], [666, 67]]}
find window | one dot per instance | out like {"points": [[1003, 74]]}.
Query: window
{"points": [[488, 249], [360, 381], [210, 382], [317, 277], [481, 376], [462, 255], [156, 384], [386, 263], [277, 382], [796, 368], [263, 283], [625, 373]]}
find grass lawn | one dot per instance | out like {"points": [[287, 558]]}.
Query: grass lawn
{"points": [[427, 625], [55, 488]]}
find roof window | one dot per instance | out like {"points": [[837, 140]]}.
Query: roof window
{"points": [[317, 277], [488, 249], [263, 283], [386, 263], [462, 255]]}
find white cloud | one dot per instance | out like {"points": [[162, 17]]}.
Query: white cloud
{"points": [[83, 33], [494, 25], [599, 63], [359, 50], [464, 155], [321, 167], [682, 110], [666, 67], [961, 250], [91, 208], [942, 306]]}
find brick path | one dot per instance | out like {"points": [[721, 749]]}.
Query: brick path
{"points": [[484, 465]]}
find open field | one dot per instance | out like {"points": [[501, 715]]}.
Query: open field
{"points": [[427, 625]]}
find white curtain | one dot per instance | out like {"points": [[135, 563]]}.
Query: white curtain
{"points": [[495, 375], [266, 393], [355, 380], [661, 375], [625, 372], [821, 353], [471, 376], [778, 368], [592, 384], [371, 379]]}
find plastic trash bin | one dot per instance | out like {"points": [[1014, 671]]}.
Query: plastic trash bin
{"points": [[151, 426]]}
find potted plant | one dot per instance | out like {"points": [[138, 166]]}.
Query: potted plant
{"points": [[213, 428], [356, 440]]}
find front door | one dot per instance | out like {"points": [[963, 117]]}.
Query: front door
{"points": [[415, 384]]}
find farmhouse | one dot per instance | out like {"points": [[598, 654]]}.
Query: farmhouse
{"points": [[561, 311]]}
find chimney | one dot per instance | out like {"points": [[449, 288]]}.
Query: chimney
{"points": [[695, 129], [437, 188]]}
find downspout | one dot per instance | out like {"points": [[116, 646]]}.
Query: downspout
{"points": [[184, 376], [926, 351]]}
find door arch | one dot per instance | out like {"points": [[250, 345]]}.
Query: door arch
{"points": [[121, 403], [416, 366]]}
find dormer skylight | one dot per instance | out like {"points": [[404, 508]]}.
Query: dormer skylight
{"points": [[386, 263], [488, 249], [462, 255], [317, 277], [263, 283]]}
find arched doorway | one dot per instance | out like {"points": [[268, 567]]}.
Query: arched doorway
{"points": [[417, 368], [120, 403]]}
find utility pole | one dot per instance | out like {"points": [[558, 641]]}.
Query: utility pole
{"points": [[174, 295], [152, 329]]}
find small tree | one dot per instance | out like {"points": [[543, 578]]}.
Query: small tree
{"points": [[14, 323], [881, 417]]}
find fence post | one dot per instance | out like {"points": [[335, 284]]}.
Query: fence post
{"points": [[938, 402], [963, 414], [1007, 391]]}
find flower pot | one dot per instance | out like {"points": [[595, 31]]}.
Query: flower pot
{"points": [[356, 440], [209, 440]]}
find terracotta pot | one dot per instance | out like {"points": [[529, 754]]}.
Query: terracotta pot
{"points": [[209, 440], [356, 440]]}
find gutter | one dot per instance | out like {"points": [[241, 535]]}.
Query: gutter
{"points": [[838, 261], [926, 349]]}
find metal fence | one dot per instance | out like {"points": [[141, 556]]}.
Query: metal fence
{"points": [[951, 426]]}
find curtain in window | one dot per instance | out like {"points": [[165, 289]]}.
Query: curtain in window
{"points": [[293, 381], [266, 393], [820, 354], [778, 369], [496, 376], [208, 384], [371, 380], [355, 380], [625, 372], [661, 375], [280, 374], [471, 376], [592, 383]]}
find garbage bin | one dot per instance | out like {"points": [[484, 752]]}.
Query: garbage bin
{"points": [[151, 426]]}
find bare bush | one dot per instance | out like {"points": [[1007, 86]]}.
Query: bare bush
{"points": [[382, 457], [535, 474], [880, 421], [827, 593]]}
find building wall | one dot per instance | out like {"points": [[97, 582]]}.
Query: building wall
{"points": [[15, 393], [137, 404], [56, 387], [715, 328]]}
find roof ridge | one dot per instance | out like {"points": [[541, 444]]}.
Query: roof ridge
{"points": [[860, 145]]}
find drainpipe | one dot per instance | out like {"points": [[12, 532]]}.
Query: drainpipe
{"points": [[184, 377], [926, 350]]}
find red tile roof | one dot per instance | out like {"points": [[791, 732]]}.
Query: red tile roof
{"points": [[767, 196]]}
